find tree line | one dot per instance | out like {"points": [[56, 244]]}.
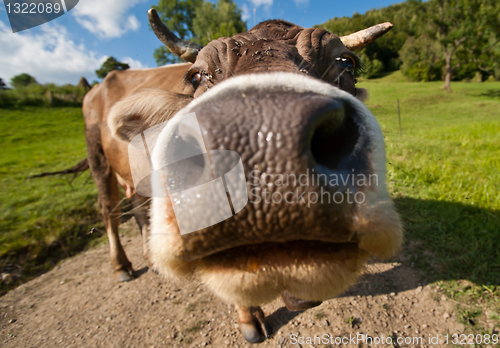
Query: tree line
{"points": [[26, 91], [435, 40]]}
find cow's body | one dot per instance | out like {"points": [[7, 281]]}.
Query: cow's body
{"points": [[282, 97], [108, 156]]}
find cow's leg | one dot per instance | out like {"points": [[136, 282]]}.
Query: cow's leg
{"points": [[109, 199], [122, 267], [140, 206], [251, 321], [294, 304]]}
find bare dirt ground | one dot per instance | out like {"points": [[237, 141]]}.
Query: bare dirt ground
{"points": [[79, 303]]}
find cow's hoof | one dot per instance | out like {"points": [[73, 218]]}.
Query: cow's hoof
{"points": [[124, 276], [294, 304], [252, 333], [252, 324]]}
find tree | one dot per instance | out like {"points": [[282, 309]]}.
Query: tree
{"points": [[465, 30], [110, 64], [199, 21], [213, 21], [2, 84], [178, 17], [422, 59], [22, 80]]}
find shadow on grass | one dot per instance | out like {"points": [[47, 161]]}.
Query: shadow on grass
{"points": [[452, 241], [491, 93], [444, 241]]}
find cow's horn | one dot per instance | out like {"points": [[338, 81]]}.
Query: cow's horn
{"points": [[360, 39], [185, 49]]}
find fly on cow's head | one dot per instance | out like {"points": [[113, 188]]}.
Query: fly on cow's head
{"points": [[273, 45]]}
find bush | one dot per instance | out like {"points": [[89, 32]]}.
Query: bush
{"points": [[36, 95]]}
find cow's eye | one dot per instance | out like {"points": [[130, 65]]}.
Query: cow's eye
{"points": [[196, 80], [346, 62]]}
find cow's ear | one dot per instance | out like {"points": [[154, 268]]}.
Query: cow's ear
{"points": [[361, 94], [143, 110]]}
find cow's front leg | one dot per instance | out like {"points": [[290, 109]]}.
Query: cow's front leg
{"points": [[294, 304], [251, 321]]}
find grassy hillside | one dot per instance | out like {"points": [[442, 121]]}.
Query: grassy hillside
{"points": [[48, 218]]}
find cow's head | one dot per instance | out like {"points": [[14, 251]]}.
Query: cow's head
{"points": [[283, 98]]}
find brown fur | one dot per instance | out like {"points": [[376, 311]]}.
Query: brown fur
{"points": [[107, 155]]}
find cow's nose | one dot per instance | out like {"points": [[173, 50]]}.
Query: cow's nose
{"points": [[296, 154], [334, 135], [284, 132]]}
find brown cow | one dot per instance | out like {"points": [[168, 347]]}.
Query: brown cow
{"points": [[282, 98]]}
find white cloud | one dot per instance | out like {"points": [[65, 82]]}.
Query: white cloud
{"points": [[258, 3], [49, 56], [134, 64], [245, 12], [301, 2], [106, 18]]}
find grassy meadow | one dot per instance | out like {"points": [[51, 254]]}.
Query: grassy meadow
{"points": [[443, 172], [45, 219]]}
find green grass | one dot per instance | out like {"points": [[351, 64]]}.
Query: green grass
{"points": [[444, 173], [43, 219]]}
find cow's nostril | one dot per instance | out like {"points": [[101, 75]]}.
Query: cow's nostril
{"points": [[334, 138]]}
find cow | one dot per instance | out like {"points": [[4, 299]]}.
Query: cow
{"points": [[284, 98]]}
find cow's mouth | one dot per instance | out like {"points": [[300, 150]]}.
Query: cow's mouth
{"points": [[265, 257], [258, 273]]}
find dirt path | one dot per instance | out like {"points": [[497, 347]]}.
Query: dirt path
{"points": [[79, 304]]}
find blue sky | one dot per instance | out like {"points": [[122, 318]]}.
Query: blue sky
{"points": [[77, 43]]}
